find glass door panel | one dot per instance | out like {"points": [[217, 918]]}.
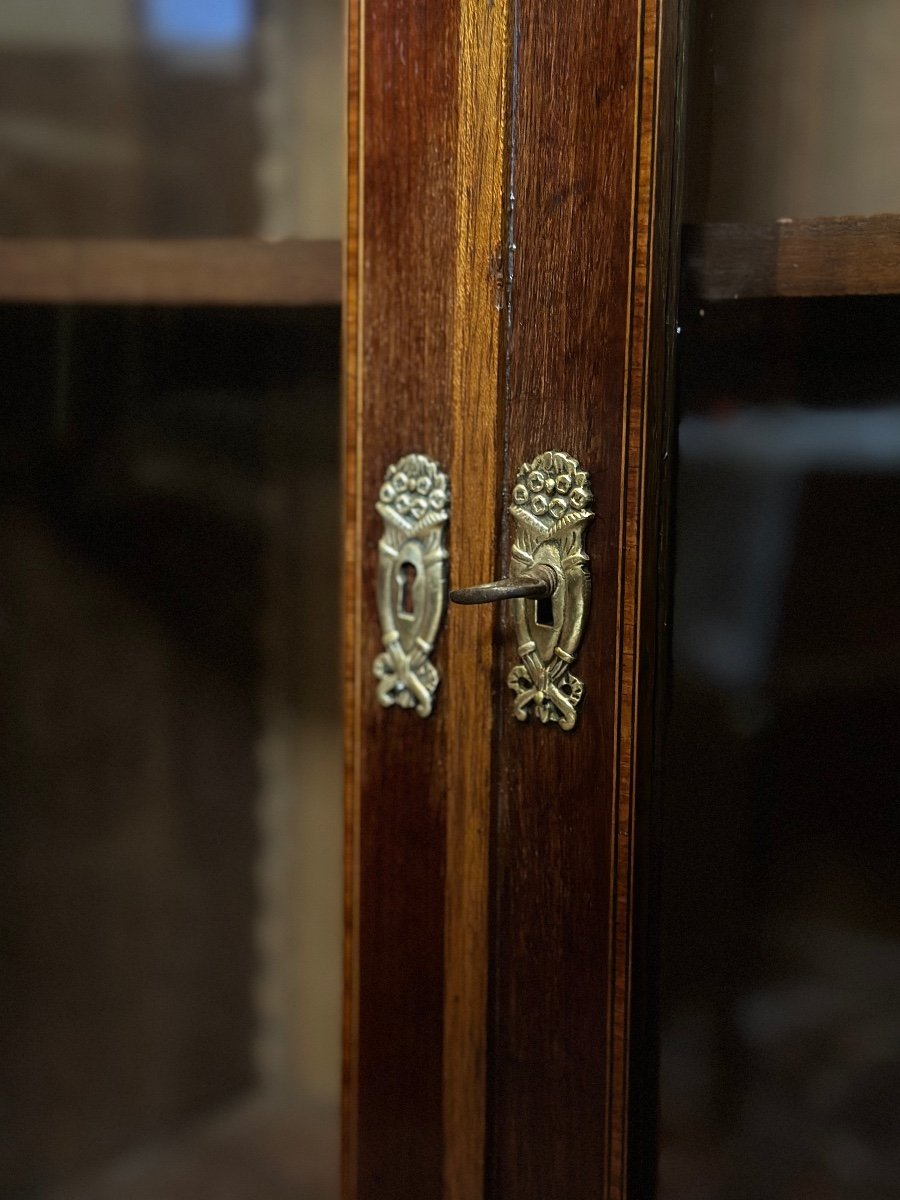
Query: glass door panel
{"points": [[795, 110], [780, 971], [171, 753], [171, 118]]}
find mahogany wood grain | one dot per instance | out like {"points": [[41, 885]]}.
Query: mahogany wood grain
{"points": [[483, 67], [400, 349], [508, 274], [825, 256], [225, 271], [594, 123], [351, 614], [423, 336]]}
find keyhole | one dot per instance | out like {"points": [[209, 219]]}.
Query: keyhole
{"points": [[407, 578], [543, 611]]}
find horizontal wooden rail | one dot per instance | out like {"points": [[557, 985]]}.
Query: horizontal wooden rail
{"points": [[227, 271], [825, 256]]}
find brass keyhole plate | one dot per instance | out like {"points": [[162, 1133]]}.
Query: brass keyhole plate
{"points": [[551, 507], [412, 581]]}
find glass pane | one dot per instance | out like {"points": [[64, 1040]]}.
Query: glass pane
{"points": [[171, 118], [795, 109], [780, 968], [170, 754], [781, 898]]}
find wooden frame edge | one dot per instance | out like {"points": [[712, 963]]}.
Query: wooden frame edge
{"points": [[351, 392], [647, 426]]}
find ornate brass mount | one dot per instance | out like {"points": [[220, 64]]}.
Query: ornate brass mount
{"points": [[548, 586], [412, 581]]}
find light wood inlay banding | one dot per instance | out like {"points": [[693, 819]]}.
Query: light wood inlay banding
{"points": [[484, 63]]}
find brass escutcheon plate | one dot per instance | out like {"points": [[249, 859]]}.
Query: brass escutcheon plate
{"points": [[551, 507], [412, 581]]}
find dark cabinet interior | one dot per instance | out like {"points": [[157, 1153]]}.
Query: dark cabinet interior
{"points": [[170, 772], [780, 802], [171, 769]]}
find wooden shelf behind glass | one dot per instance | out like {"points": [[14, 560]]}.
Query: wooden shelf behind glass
{"points": [[825, 256], [184, 272]]}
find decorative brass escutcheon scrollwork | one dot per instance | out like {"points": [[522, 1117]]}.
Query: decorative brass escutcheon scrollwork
{"points": [[412, 581], [548, 587], [550, 506]]}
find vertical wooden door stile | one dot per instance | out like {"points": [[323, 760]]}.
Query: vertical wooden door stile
{"points": [[351, 608], [401, 288], [586, 374], [424, 279], [491, 898]]}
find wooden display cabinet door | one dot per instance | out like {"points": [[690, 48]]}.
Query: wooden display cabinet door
{"points": [[508, 289]]}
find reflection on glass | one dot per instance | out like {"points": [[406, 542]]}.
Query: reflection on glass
{"points": [[170, 755], [171, 118], [795, 109], [780, 1015], [780, 971], [198, 24]]}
